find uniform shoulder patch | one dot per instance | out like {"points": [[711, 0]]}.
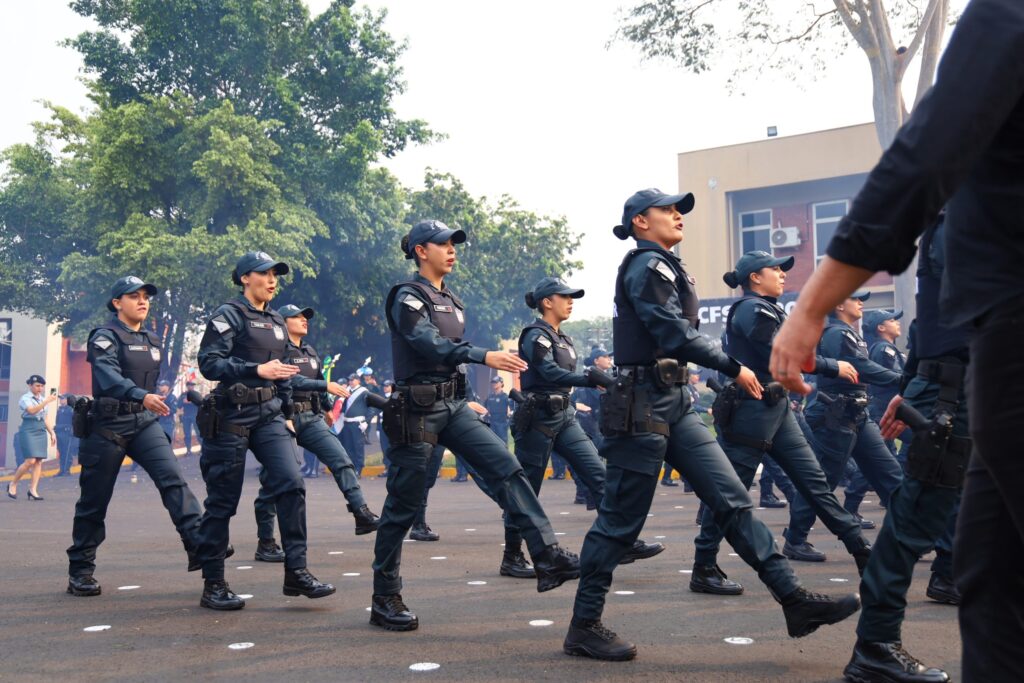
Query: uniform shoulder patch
{"points": [[220, 323], [102, 343], [851, 336], [662, 269], [890, 351], [764, 310], [544, 341], [412, 302]]}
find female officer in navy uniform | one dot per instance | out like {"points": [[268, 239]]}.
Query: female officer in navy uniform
{"points": [[767, 426], [549, 419], [648, 420], [428, 407], [243, 349], [309, 389], [125, 361]]}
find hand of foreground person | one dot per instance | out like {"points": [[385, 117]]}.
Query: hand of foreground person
{"points": [[793, 350]]}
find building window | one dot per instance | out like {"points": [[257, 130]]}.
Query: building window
{"points": [[755, 231], [826, 220], [6, 337], [3, 414]]}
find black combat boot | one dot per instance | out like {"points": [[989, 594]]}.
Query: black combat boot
{"points": [[389, 612], [942, 589], [301, 582], [269, 551], [888, 662], [217, 595], [83, 586], [770, 500], [709, 578], [806, 611], [366, 521], [804, 552], [421, 531], [589, 638], [641, 551], [514, 564], [555, 566]]}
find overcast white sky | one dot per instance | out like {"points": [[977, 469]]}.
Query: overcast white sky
{"points": [[533, 102]]}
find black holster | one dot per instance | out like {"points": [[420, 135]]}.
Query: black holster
{"points": [[627, 408], [724, 408], [81, 418], [405, 415], [522, 418], [937, 457], [208, 418]]}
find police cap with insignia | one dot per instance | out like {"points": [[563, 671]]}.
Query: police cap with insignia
{"points": [[430, 231], [872, 319], [291, 310], [36, 379], [127, 285], [549, 286], [645, 199], [597, 352], [861, 296], [752, 262], [497, 380], [257, 262]]}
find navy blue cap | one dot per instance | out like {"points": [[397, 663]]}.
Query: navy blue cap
{"points": [[549, 286], [596, 353], [872, 319], [353, 376], [430, 231], [291, 310], [645, 199], [36, 379], [496, 379], [257, 262], [860, 296], [163, 383], [127, 285], [753, 261], [389, 382]]}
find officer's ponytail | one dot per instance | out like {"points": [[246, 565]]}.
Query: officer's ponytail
{"points": [[623, 232], [530, 300], [732, 279], [405, 246]]}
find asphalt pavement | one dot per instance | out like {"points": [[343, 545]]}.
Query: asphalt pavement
{"points": [[474, 624]]}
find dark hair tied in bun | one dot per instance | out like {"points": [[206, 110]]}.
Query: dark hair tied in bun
{"points": [[530, 300], [622, 231], [405, 246], [732, 279]]}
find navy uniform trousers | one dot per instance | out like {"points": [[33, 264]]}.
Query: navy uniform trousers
{"points": [[316, 437], [223, 467], [458, 429], [101, 461], [634, 465]]}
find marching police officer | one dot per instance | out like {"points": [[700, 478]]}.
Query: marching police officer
{"points": [[62, 427], [189, 402], [355, 422], [125, 360], [749, 428], [841, 426], [647, 420], [243, 348], [548, 419], [427, 323], [497, 404], [163, 387], [312, 434], [922, 511]]}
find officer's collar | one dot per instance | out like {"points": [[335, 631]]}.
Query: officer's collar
{"points": [[548, 325], [120, 323], [419, 278], [248, 304], [769, 299]]}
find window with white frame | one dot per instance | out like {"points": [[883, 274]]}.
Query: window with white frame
{"points": [[826, 219], [755, 231]]}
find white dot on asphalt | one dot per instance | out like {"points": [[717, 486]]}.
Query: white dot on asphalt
{"points": [[409, 540], [559, 533], [244, 566], [662, 494], [336, 552], [659, 537], [839, 580], [541, 622], [477, 583], [93, 629], [368, 609], [624, 592], [241, 646], [128, 588], [351, 574], [563, 513], [733, 555], [685, 571], [439, 557], [470, 529], [679, 507], [424, 666], [739, 640], [245, 596], [759, 508], [650, 514]]}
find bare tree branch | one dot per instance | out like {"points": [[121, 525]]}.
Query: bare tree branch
{"points": [[855, 27], [922, 30], [794, 38]]}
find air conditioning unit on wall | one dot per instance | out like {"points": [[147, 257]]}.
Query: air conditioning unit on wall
{"points": [[785, 238]]}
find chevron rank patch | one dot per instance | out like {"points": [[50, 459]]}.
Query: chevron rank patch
{"points": [[662, 269], [412, 302], [544, 341], [220, 324], [102, 344]]}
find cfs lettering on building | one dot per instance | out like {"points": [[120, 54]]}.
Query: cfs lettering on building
{"points": [[783, 195]]}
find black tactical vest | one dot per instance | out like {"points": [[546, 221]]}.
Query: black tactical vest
{"points": [[263, 336], [306, 359], [634, 345], [743, 349], [831, 334], [445, 311], [138, 354], [932, 339], [562, 351]]}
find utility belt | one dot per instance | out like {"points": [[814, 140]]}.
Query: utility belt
{"points": [[404, 415], [239, 394], [627, 406], [306, 402], [523, 418], [663, 373], [111, 407], [936, 456], [87, 411], [210, 419], [842, 410], [724, 412]]}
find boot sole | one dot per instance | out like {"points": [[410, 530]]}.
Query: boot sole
{"points": [[942, 598], [266, 558], [584, 651], [517, 575], [710, 590], [382, 623], [423, 539], [362, 531], [312, 595], [84, 594], [812, 626], [220, 608], [629, 558], [552, 582], [855, 674], [803, 558]]}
